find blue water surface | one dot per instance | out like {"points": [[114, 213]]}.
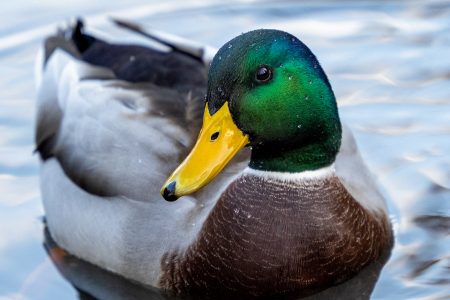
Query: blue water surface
{"points": [[389, 65]]}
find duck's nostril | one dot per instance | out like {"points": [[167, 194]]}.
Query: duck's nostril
{"points": [[214, 136], [169, 192]]}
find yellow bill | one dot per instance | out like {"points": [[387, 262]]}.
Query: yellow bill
{"points": [[219, 140]]}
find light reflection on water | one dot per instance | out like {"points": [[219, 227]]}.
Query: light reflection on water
{"points": [[389, 65]]}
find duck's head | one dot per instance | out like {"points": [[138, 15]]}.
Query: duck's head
{"points": [[266, 90]]}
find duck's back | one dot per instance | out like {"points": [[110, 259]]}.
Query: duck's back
{"points": [[117, 117], [113, 122]]}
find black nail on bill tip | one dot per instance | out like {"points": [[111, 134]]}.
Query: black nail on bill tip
{"points": [[169, 192]]}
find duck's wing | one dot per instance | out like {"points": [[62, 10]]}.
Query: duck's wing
{"points": [[356, 177], [118, 118], [203, 53]]}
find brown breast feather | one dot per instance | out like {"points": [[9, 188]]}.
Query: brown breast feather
{"points": [[265, 238]]}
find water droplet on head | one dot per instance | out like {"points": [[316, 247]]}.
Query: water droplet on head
{"points": [[220, 57], [290, 77], [132, 58], [299, 126], [310, 82], [315, 66], [306, 97], [230, 46], [219, 89]]}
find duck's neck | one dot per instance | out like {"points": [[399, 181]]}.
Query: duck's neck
{"points": [[295, 159]]}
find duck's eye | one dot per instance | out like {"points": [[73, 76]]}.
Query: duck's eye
{"points": [[214, 136], [263, 74]]}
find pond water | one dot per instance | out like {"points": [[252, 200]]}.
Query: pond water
{"points": [[388, 63]]}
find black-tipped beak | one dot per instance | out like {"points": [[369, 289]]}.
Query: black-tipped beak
{"points": [[169, 192]]}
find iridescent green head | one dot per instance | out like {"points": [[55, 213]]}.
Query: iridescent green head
{"points": [[267, 90], [279, 95]]}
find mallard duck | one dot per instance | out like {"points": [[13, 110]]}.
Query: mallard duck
{"points": [[272, 199]]}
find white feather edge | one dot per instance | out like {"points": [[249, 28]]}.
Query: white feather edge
{"points": [[294, 178], [349, 167]]}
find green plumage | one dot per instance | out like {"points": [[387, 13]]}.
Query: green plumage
{"points": [[292, 119]]}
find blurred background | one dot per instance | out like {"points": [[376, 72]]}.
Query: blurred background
{"points": [[389, 65]]}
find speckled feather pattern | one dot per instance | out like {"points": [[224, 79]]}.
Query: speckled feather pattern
{"points": [[266, 238]]}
